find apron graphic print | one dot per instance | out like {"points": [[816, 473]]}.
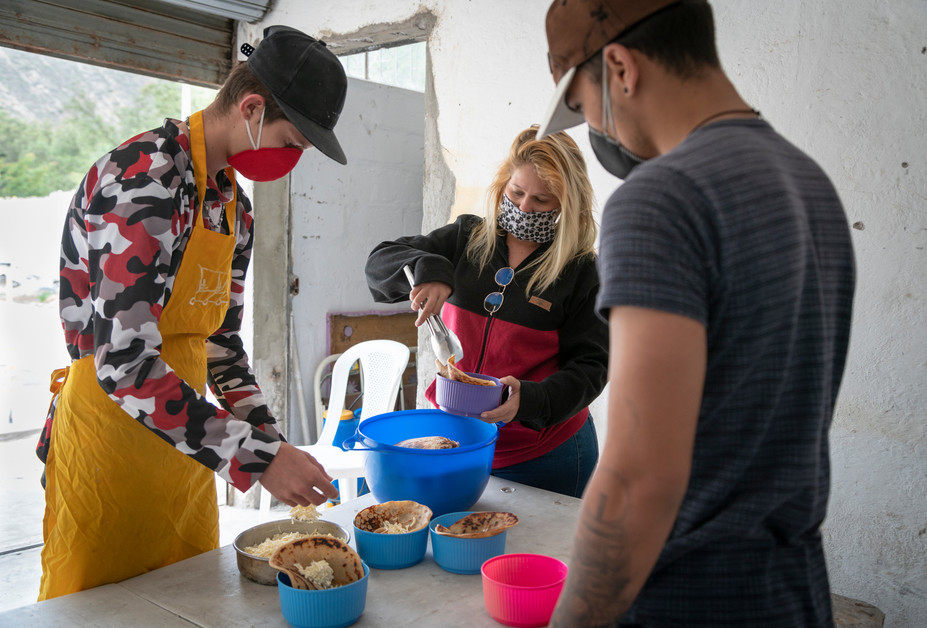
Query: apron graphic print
{"points": [[213, 287]]}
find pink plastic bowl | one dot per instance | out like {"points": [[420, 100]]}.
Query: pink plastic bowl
{"points": [[522, 589]]}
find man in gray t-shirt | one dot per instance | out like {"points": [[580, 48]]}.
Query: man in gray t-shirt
{"points": [[727, 278]]}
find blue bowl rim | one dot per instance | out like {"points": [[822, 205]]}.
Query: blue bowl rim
{"points": [[442, 538], [461, 513], [378, 446], [399, 534]]}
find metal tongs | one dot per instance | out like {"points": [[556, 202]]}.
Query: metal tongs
{"points": [[444, 342]]}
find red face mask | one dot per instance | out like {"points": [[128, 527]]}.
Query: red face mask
{"points": [[264, 164]]}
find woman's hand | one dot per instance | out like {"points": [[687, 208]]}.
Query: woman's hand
{"points": [[429, 296], [506, 412], [297, 479]]}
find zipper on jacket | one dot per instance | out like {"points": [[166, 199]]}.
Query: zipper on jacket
{"points": [[479, 364]]}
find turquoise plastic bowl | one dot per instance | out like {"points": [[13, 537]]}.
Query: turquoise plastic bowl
{"points": [[329, 608], [445, 480], [391, 551], [462, 556]]}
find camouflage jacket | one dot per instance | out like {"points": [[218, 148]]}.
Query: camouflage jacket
{"points": [[124, 239]]}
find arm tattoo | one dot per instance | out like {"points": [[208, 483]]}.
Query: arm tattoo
{"points": [[596, 589]]}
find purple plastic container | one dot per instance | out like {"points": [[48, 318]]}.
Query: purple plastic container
{"points": [[467, 399]]}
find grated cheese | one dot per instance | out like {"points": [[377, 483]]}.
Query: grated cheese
{"points": [[304, 513], [319, 573], [267, 546], [391, 527]]}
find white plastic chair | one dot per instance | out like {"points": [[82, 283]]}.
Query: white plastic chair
{"points": [[382, 363], [322, 375]]}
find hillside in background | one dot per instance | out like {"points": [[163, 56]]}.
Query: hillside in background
{"points": [[38, 87], [61, 116]]}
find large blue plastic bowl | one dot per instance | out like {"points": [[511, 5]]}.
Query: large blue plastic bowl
{"points": [[329, 608], [445, 480]]}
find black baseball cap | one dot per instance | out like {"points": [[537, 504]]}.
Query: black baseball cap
{"points": [[306, 79]]}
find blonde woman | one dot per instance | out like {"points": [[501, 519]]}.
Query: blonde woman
{"points": [[518, 286]]}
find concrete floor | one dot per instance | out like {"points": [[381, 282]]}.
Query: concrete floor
{"points": [[22, 505]]}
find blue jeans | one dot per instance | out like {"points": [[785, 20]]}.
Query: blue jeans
{"points": [[564, 470]]}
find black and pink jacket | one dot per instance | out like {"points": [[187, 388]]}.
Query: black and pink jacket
{"points": [[552, 341]]}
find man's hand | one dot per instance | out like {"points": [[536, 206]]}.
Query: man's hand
{"points": [[295, 478], [429, 297], [507, 411]]}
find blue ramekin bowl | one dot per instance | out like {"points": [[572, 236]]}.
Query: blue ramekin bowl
{"points": [[391, 551], [462, 556], [327, 608]]}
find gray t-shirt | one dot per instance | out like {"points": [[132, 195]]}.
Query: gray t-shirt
{"points": [[739, 230]]}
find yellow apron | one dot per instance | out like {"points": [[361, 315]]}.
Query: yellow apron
{"points": [[119, 501]]}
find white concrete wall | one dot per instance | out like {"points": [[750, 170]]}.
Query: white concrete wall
{"points": [[341, 212], [843, 80]]}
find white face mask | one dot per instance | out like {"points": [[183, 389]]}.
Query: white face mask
{"points": [[537, 227]]}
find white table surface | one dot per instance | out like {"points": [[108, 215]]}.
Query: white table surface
{"points": [[207, 590]]}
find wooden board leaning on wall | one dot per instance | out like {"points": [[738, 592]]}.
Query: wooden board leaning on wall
{"points": [[347, 329]]}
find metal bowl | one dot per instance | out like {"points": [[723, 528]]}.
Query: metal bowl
{"points": [[256, 568]]}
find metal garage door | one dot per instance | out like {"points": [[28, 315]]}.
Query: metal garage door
{"points": [[163, 38]]}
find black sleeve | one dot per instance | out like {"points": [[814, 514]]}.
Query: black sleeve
{"points": [[583, 369], [432, 257]]}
